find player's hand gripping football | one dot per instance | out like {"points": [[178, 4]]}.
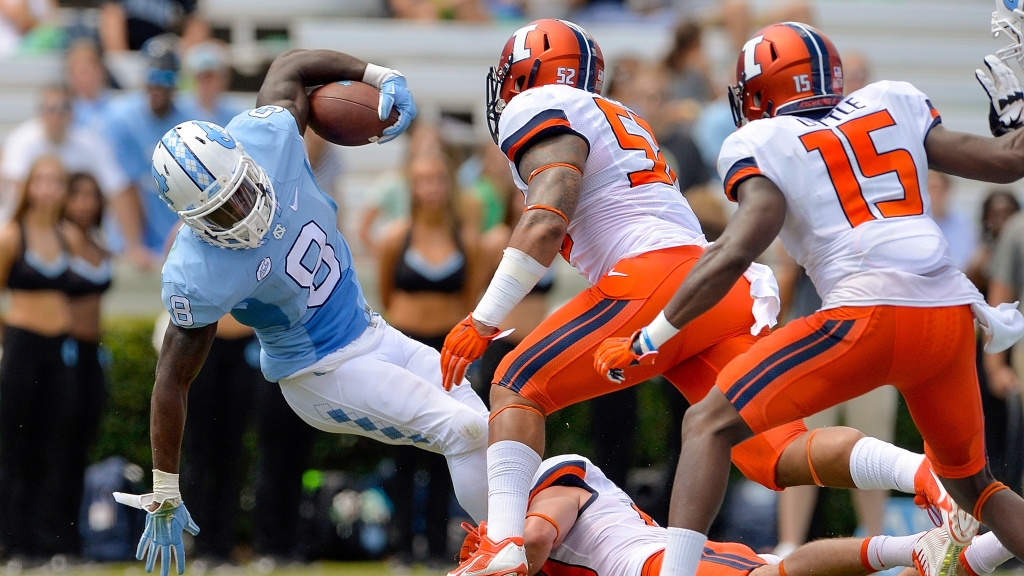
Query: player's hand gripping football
{"points": [[163, 533], [462, 346], [614, 355], [1005, 96], [394, 92]]}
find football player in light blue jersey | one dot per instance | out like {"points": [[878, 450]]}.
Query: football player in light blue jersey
{"points": [[261, 243]]}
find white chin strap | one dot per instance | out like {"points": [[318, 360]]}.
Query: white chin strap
{"points": [[1015, 50]]}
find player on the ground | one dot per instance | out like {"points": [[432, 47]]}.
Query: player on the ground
{"points": [[598, 189], [261, 243], [580, 523], [843, 182]]}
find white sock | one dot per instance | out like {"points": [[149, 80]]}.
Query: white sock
{"points": [[682, 552], [886, 552], [510, 469], [986, 553], [877, 465]]}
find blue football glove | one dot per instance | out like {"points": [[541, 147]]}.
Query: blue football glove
{"points": [[164, 527], [394, 92]]}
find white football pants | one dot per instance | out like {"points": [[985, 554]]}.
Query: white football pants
{"points": [[386, 386]]}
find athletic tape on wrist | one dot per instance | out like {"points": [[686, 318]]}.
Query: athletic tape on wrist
{"points": [[375, 75], [659, 331], [517, 274], [165, 486]]}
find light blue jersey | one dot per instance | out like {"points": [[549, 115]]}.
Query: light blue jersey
{"points": [[298, 289]]}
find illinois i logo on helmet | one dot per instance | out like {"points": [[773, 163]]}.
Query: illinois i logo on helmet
{"points": [[543, 52], [786, 68]]}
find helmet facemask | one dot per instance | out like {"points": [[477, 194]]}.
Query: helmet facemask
{"points": [[236, 211], [495, 103], [736, 104], [1005, 21]]}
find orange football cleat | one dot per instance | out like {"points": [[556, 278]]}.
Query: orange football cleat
{"points": [[504, 558], [944, 512]]}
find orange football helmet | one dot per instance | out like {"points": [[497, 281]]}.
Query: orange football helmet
{"points": [[543, 52], [787, 68]]}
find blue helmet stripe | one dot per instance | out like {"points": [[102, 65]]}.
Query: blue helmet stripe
{"points": [[821, 70], [187, 160], [588, 58]]}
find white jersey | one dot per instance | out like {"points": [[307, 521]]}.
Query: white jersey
{"points": [[611, 536], [630, 202], [858, 212]]}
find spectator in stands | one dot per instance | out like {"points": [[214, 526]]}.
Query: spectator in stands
{"points": [[1006, 284], [37, 371], [1001, 407], [647, 95], [492, 186], [955, 226], [128, 24], [687, 65], [429, 264], [208, 64], [135, 123], [390, 192], [429, 10], [18, 18], [79, 148], [325, 160], [88, 80], [89, 275]]}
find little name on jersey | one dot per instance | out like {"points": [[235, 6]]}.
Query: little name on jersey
{"points": [[837, 116]]}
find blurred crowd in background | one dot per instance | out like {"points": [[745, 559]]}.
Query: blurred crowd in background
{"points": [[77, 198]]}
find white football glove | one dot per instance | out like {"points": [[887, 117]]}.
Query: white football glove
{"points": [[1005, 96]]}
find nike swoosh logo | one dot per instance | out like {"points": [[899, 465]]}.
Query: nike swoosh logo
{"points": [[295, 202], [613, 272]]}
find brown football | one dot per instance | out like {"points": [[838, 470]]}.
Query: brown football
{"points": [[345, 113]]}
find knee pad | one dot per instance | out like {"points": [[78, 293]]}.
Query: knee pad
{"points": [[470, 430]]}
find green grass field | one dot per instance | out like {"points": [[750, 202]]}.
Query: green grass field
{"points": [[315, 569]]}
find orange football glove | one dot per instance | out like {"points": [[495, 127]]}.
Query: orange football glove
{"points": [[462, 346], [616, 354]]}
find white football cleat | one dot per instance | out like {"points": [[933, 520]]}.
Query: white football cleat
{"points": [[935, 554]]}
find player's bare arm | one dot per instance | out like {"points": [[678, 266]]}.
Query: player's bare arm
{"points": [[551, 200], [551, 515], [553, 170], [998, 160], [181, 357], [761, 214], [295, 70]]}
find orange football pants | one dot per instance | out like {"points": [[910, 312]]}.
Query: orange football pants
{"points": [[554, 365], [719, 559], [827, 358]]}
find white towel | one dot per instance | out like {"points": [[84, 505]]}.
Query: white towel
{"points": [[1002, 326], [764, 289]]}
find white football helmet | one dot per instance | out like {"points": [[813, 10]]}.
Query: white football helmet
{"points": [[215, 187], [1009, 19]]}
